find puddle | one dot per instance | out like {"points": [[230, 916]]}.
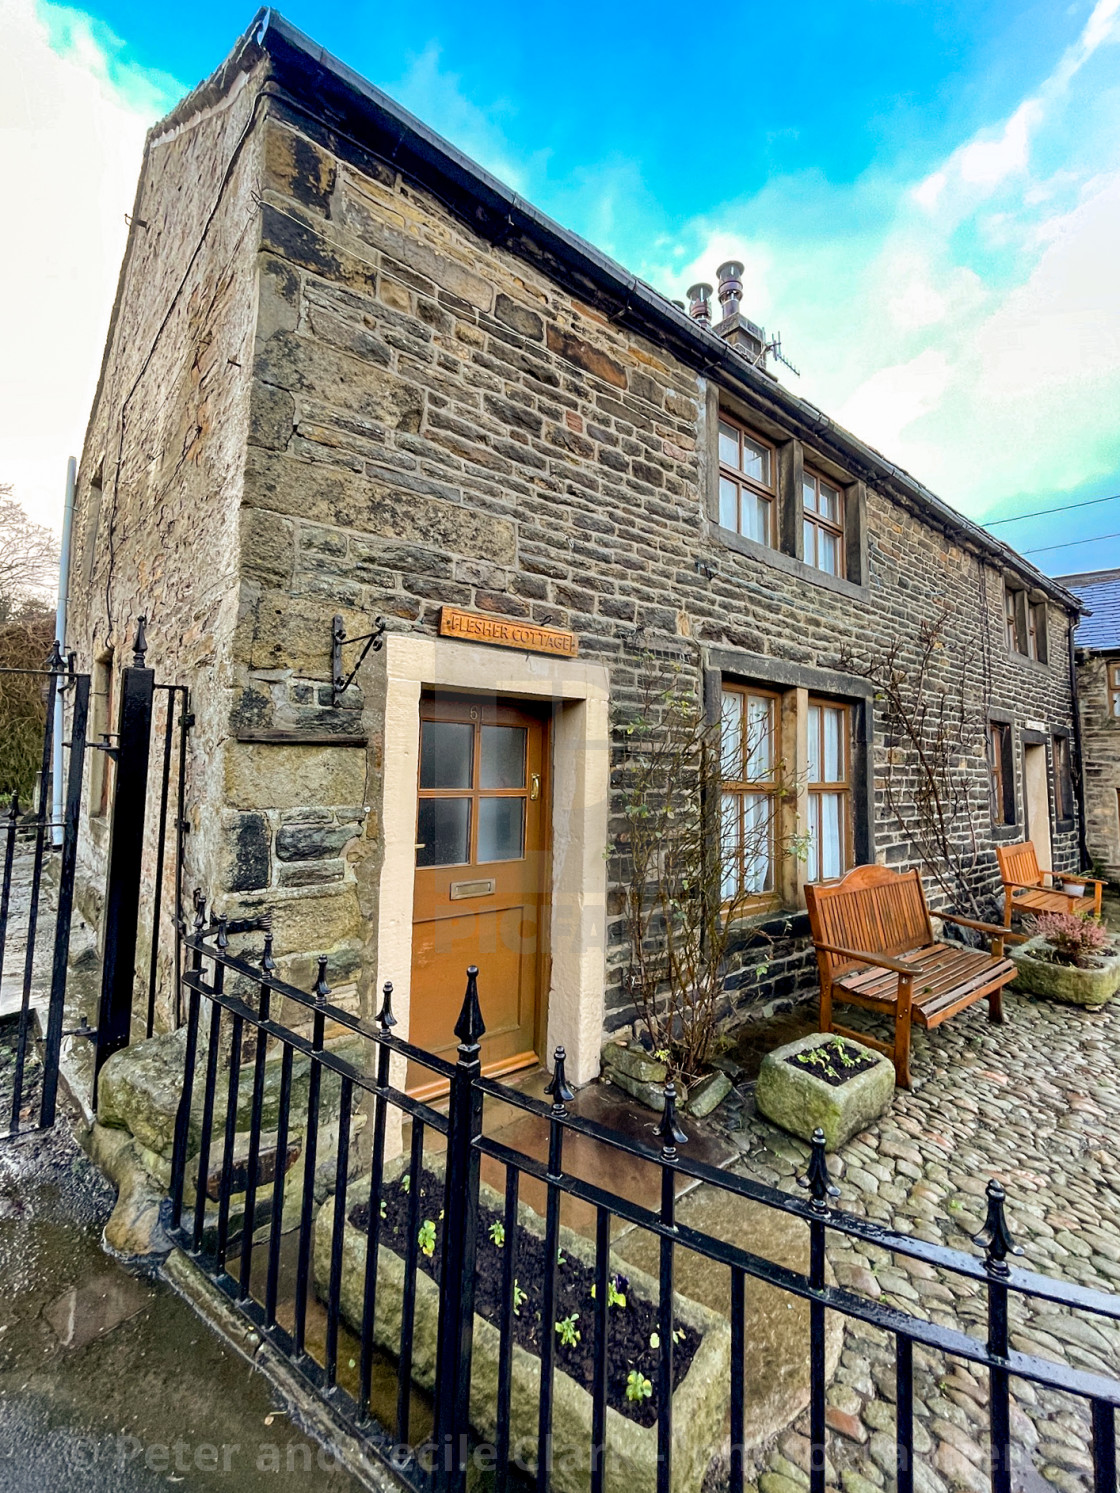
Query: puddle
{"points": [[95, 1307]]}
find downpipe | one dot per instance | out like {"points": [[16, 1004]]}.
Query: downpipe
{"points": [[60, 634]]}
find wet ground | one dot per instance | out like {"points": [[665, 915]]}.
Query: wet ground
{"points": [[109, 1383]]}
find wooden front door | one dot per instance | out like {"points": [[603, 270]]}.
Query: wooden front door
{"points": [[481, 877]]}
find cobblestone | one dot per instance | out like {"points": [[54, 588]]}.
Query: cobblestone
{"points": [[1035, 1103]]}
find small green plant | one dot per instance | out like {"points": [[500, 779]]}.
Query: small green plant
{"points": [[427, 1238], [567, 1331], [519, 1299], [384, 1209], [561, 1258], [406, 1182], [616, 1291], [498, 1233], [638, 1387]]}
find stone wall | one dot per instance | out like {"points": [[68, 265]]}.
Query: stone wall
{"points": [[1100, 748], [159, 486]]}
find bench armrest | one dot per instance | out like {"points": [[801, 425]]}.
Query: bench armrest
{"points": [[952, 917], [861, 956], [1082, 880], [1028, 886], [997, 930]]}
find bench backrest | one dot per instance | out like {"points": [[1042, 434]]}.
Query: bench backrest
{"points": [[1019, 863], [871, 908]]}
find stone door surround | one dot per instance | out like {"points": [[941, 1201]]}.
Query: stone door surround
{"points": [[580, 692]]}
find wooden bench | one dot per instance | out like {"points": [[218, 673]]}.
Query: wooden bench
{"points": [[876, 949], [1025, 886]]}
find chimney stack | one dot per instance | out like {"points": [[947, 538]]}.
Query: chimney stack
{"points": [[730, 277], [700, 303]]}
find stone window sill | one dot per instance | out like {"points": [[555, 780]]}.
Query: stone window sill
{"points": [[789, 564]]}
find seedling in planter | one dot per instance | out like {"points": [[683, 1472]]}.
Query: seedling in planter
{"points": [[561, 1258], [655, 1340], [406, 1182], [638, 1387], [384, 1209], [427, 1237], [567, 1331], [519, 1299], [616, 1291], [498, 1233]]}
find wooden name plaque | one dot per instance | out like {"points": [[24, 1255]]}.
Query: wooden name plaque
{"points": [[475, 627]]}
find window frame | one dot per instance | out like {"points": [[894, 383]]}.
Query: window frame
{"points": [[841, 788], [1026, 623], [742, 480], [1112, 683], [817, 522], [1001, 774], [742, 788], [1063, 778]]}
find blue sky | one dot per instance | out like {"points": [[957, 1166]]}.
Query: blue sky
{"points": [[926, 196]]}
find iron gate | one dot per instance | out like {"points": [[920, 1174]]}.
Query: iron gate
{"points": [[39, 842], [40, 849]]}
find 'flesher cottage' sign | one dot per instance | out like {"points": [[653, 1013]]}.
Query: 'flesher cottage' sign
{"points": [[474, 627]]}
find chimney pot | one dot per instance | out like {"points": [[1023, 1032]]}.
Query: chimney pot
{"points": [[700, 303], [730, 276]]}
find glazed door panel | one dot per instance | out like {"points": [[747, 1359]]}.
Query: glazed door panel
{"points": [[481, 876]]}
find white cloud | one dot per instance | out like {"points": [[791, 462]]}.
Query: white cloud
{"points": [[73, 113], [966, 323]]}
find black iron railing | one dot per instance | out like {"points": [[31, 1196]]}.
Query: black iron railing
{"points": [[269, 1264]]}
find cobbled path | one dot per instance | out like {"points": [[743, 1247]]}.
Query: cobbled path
{"points": [[1035, 1103]]}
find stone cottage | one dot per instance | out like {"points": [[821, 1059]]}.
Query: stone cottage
{"points": [[1097, 644], [351, 376]]}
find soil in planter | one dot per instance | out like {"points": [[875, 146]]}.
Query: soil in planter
{"points": [[629, 1328], [834, 1062]]}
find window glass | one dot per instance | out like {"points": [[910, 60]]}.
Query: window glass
{"points": [[831, 841], [833, 720], [443, 831], [757, 849], [446, 752], [756, 517], [729, 815], [728, 504], [731, 739], [827, 552], [756, 461], [828, 504], [501, 829], [728, 444], [815, 744], [760, 737], [503, 757]]}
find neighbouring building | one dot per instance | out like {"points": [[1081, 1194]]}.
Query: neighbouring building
{"points": [[1097, 645], [348, 372]]}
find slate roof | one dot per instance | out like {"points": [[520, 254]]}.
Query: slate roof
{"points": [[1100, 592]]}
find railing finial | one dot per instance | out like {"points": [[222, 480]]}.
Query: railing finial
{"points": [[322, 989], [995, 1238], [558, 1086], [140, 646], [668, 1128], [13, 807], [385, 1017], [223, 937], [268, 964], [470, 1027], [816, 1179]]}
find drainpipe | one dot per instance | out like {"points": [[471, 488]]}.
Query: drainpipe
{"points": [[1079, 776], [60, 634]]}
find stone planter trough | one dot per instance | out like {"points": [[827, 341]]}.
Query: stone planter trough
{"points": [[700, 1403], [800, 1102], [1064, 982]]}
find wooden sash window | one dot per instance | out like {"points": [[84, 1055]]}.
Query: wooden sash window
{"points": [[1114, 690], [830, 790], [823, 524], [746, 482], [749, 803]]}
